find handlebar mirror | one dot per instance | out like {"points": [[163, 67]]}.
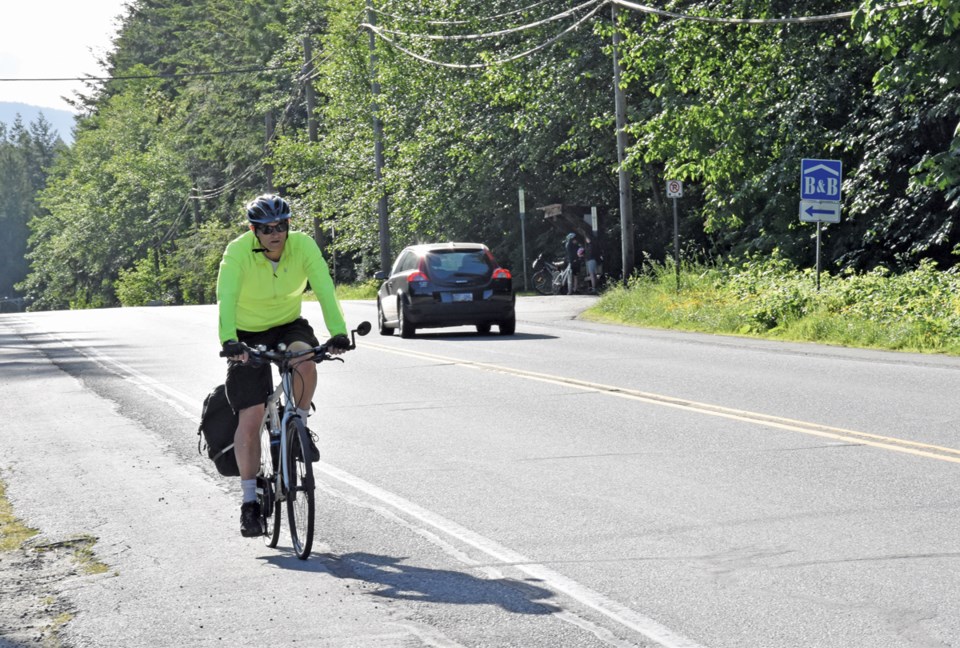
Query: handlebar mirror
{"points": [[363, 328]]}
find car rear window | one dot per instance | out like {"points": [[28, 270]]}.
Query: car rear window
{"points": [[455, 263]]}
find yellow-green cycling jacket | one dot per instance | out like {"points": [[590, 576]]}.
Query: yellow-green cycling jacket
{"points": [[253, 297]]}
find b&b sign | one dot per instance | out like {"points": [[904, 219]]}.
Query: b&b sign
{"points": [[820, 179]]}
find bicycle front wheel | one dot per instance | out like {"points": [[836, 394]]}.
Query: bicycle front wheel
{"points": [[300, 496]]}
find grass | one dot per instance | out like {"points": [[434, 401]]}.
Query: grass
{"points": [[12, 532], [365, 290], [83, 553], [917, 311]]}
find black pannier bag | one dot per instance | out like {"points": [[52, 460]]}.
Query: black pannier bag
{"points": [[218, 424]]}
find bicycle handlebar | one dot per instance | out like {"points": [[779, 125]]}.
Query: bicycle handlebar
{"points": [[320, 352]]}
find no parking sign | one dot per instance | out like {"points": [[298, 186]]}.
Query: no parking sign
{"points": [[675, 190]]}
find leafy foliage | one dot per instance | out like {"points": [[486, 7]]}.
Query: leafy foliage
{"points": [[139, 208], [918, 310]]}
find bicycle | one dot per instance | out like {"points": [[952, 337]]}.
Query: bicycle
{"points": [[286, 454], [547, 276]]}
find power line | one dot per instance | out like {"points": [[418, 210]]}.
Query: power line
{"points": [[461, 22], [200, 194], [160, 75], [474, 66], [755, 21], [382, 33], [503, 32]]}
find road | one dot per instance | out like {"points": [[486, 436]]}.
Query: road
{"points": [[576, 484]]}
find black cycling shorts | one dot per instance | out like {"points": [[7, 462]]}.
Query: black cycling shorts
{"points": [[247, 386]]}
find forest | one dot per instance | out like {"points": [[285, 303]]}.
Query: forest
{"points": [[212, 102]]}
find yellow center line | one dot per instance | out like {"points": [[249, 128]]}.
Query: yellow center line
{"points": [[815, 429]]}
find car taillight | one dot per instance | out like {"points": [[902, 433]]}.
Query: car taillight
{"points": [[416, 276], [501, 273]]}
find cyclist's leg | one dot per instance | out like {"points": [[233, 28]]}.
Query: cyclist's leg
{"points": [[246, 441], [247, 390], [305, 383], [298, 335]]}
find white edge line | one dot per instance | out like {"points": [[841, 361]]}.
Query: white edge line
{"points": [[609, 608]]}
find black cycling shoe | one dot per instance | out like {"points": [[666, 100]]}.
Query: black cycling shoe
{"points": [[250, 525], [314, 450]]}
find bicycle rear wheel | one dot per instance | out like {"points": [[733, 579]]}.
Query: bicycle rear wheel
{"points": [[541, 282], [266, 488], [300, 496]]}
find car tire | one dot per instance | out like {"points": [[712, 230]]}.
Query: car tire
{"points": [[483, 329], [407, 330], [382, 321], [509, 327]]}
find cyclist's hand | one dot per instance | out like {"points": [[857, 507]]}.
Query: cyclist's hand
{"points": [[338, 344], [234, 351]]}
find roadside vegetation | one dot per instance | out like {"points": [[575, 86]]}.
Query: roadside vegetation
{"points": [[32, 571], [183, 130], [363, 290], [12, 532], [917, 311]]}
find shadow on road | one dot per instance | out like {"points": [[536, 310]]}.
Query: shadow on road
{"points": [[28, 355], [409, 582]]}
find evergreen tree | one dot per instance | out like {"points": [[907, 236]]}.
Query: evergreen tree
{"points": [[26, 154]]}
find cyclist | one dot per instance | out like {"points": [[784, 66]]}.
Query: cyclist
{"points": [[262, 275], [570, 247]]}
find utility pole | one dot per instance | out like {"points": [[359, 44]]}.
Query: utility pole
{"points": [[378, 146], [307, 73], [523, 234], [309, 91], [626, 199], [268, 129]]}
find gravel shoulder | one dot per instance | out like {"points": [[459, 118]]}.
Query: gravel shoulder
{"points": [[32, 578]]}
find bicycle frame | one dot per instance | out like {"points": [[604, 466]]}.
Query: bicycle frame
{"points": [[274, 419]]}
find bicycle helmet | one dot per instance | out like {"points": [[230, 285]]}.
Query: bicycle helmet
{"points": [[267, 208]]}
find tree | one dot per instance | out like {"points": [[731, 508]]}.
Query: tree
{"points": [[26, 154], [118, 194]]}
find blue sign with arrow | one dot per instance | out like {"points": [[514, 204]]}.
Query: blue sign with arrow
{"points": [[820, 179]]}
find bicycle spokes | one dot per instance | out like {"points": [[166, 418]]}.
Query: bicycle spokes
{"points": [[300, 494]]}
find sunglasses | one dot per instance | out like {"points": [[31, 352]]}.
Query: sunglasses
{"points": [[270, 229]]}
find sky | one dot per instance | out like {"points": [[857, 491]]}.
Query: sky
{"points": [[53, 38]]}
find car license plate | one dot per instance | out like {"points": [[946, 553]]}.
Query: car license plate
{"points": [[462, 297]]}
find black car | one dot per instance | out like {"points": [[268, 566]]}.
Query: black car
{"points": [[446, 284]]}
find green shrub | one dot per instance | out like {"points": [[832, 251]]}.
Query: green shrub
{"points": [[365, 290], [142, 284], [768, 296]]}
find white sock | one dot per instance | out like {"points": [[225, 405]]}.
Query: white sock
{"points": [[304, 413], [249, 487]]}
